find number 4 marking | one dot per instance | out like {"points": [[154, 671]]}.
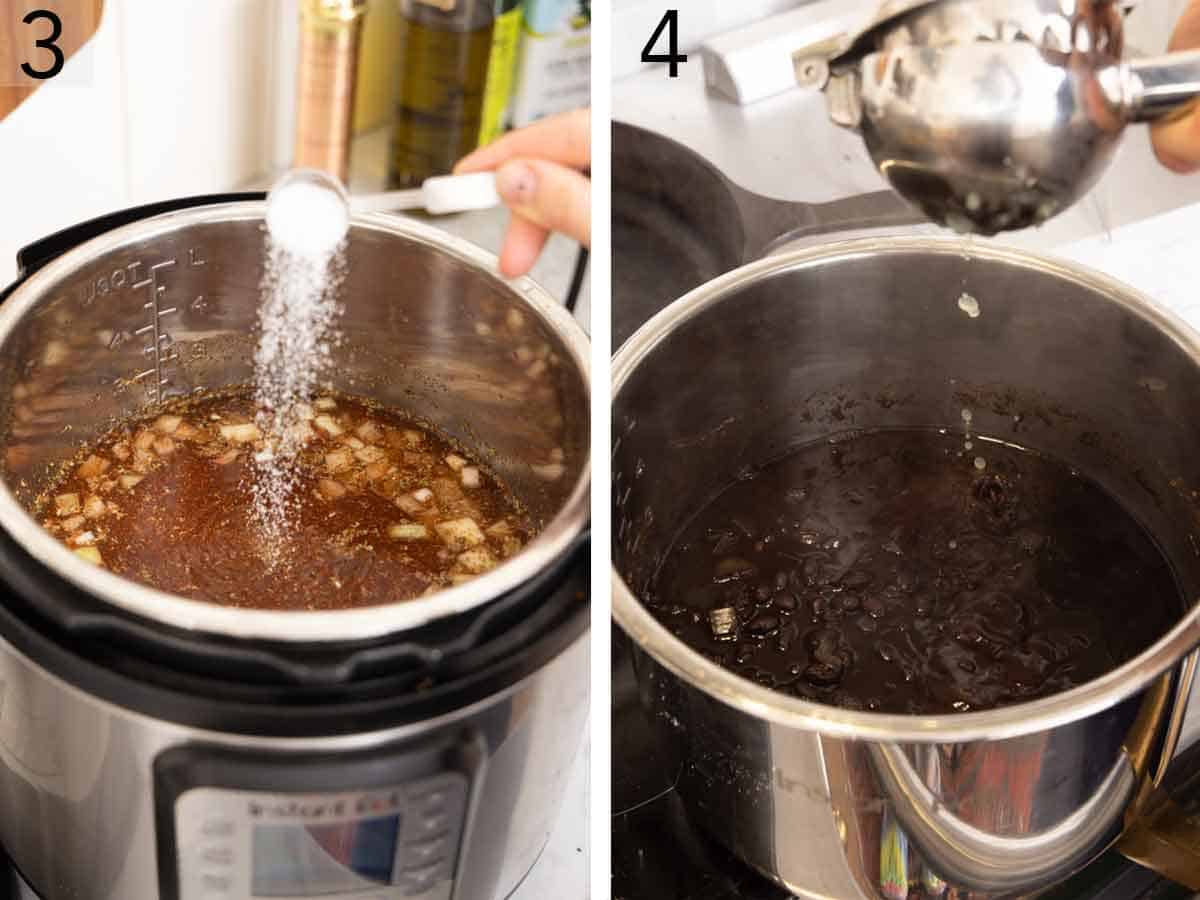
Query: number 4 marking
{"points": [[669, 23]]}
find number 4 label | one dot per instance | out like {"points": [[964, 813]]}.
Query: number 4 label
{"points": [[670, 24]]}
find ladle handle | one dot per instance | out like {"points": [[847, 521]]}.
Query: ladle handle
{"points": [[1160, 86]]}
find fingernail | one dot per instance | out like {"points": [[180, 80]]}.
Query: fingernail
{"points": [[516, 183]]}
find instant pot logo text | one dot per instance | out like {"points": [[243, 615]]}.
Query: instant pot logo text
{"points": [[340, 808]]}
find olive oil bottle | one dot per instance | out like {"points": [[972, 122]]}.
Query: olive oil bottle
{"points": [[443, 54], [502, 67]]}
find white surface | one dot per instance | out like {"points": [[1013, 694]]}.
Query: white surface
{"points": [[633, 21], [178, 100], [757, 61], [199, 81], [563, 869], [1160, 256]]}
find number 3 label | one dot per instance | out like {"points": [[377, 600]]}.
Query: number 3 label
{"points": [[670, 24], [46, 43]]}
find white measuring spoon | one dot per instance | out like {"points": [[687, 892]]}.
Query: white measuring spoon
{"points": [[309, 211]]}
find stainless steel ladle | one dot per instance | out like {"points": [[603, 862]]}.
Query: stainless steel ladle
{"points": [[994, 115]]}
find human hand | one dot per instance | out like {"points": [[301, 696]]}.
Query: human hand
{"points": [[1177, 141], [540, 176]]}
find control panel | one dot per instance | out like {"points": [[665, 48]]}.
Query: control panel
{"points": [[373, 827]]}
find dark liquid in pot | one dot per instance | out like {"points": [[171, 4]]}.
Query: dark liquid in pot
{"points": [[888, 571], [385, 509]]}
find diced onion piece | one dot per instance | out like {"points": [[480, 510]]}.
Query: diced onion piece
{"points": [[455, 462], [477, 560], [187, 431], [55, 352], [94, 508], [537, 369], [86, 539], [330, 489], [241, 434], [167, 424], [376, 470], [74, 523], [91, 554], [369, 432], [370, 454], [129, 482], [66, 504], [422, 495], [413, 436], [325, 403], [304, 411], [723, 623], [327, 425], [524, 354], [338, 461], [143, 460], [408, 531], [500, 529], [514, 319], [557, 455], [353, 443], [226, 458], [470, 477], [460, 534], [92, 467], [164, 446], [550, 471], [144, 440], [121, 450], [410, 505]]}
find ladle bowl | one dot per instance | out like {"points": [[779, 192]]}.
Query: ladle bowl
{"points": [[994, 116]]}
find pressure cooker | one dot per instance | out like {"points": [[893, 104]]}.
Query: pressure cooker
{"points": [[153, 746], [868, 334]]}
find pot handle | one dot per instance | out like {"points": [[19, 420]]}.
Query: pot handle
{"points": [[1165, 836], [40, 253]]}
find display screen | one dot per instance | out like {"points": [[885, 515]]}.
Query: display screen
{"points": [[316, 860]]}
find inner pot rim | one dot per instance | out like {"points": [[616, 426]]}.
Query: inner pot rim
{"points": [[792, 712], [302, 626]]}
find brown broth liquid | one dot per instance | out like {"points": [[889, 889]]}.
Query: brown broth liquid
{"points": [[885, 571], [385, 509]]}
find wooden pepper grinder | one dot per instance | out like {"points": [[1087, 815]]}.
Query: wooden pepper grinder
{"points": [[330, 31]]}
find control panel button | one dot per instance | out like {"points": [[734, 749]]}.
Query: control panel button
{"points": [[215, 885], [416, 882], [426, 853], [431, 825], [217, 828], [217, 855]]}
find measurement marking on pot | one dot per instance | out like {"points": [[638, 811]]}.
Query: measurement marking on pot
{"points": [[161, 346]]}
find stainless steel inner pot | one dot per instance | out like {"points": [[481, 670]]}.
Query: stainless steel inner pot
{"points": [[868, 334], [168, 306]]}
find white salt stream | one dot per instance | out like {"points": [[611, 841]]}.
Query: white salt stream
{"points": [[307, 220]]}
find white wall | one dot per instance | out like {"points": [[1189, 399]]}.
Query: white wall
{"points": [[180, 99]]}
